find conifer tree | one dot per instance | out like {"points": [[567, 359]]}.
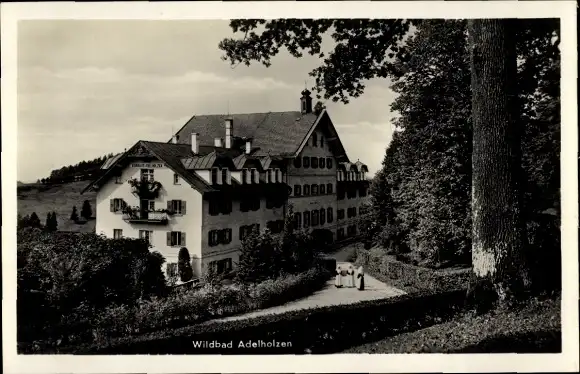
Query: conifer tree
{"points": [[184, 265], [74, 216], [86, 210]]}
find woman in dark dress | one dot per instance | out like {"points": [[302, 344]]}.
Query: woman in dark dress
{"points": [[361, 279]]}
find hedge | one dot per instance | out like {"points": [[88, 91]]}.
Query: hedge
{"points": [[410, 277], [322, 330]]}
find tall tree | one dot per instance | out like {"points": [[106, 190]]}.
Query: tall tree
{"points": [[184, 265], [74, 216], [498, 226], [86, 210], [364, 49]]}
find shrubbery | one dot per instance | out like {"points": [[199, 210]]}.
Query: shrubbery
{"points": [[266, 256], [195, 306], [321, 330], [64, 279]]}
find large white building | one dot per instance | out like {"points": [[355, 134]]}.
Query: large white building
{"points": [[222, 175]]}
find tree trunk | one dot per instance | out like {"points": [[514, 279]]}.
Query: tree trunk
{"points": [[498, 226]]}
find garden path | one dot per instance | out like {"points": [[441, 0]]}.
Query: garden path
{"points": [[328, 296]]}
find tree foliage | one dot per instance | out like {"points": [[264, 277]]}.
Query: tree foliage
{"points": [[74, 216], [63, 278], [86, 210], [184, 265], [422, 199], [267, 256]]}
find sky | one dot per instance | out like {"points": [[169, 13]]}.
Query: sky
{"points": [[87, 88]]}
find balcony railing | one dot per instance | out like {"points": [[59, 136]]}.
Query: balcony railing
{"points": [[146, 217]]}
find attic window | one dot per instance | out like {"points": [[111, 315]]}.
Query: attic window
{"points": [[314, 139], [322, 141]]}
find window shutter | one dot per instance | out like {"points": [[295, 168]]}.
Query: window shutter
{"points": [[112, 202], [169, 238], [183, 238], [182, 207]]}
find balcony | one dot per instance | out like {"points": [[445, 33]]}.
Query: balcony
{"points": [[146, 217]]}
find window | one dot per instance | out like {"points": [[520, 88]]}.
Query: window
{"points": [[255, 176], [321, 143], [329, 216], [278, 175], [321, 162], [225, 176], [147, 175], [175, 178], [314, 189], [175, 238], [362, 192], [246, 230], [322, 189], [225, 205], [340, 192], [351, 193], [322, 216], [176, 206], [216, 237], [275, 227], [297, 190], [117, 233], [221, 266], [314, 139], [255, 203], [340, 175], [246, 176], [306, 162], [306, 190], [314, 162], [298, 162], [340, 214], [214, 207], [329, 188], [329, 163], [340, 233], [214, 175], [297, 221], [306, 216], [146, 234], [117, 205], [118, 179], [315, 218]]}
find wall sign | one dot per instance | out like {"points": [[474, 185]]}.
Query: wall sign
{"points": [[148, 165]]}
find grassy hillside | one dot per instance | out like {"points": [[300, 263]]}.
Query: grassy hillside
{"points": [[58, 198]]}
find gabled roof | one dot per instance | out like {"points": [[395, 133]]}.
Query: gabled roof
{"points": [[171, 154], [278, 133]]}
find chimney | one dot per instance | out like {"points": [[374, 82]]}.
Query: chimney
{"points": [[194, 145], [248, 146], [174, 139], [229, 132], [305, 102], [218, 142]]}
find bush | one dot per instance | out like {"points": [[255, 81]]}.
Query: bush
{"points": [[188, 307], [409, 277], [184, 265], [322, 330], [64, 278]]}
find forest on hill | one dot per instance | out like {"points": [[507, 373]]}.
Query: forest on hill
{"points": [[83, 170]]}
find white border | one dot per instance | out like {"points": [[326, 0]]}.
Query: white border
{"points": [[567, 361]]}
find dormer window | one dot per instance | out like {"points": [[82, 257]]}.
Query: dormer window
{"points": [[278, 175], [226, 176], [216, 176], [255, 176], [246, 176], [147, 175]]}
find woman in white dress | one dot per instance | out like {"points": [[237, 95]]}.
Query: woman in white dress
{"points": [[360, 279], [338, 277], [350, 276]]}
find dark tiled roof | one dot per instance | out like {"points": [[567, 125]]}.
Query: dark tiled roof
{"points": [[171, 154], [277, 133]]}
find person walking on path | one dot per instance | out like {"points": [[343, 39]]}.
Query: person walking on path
{"points": [[360, 278], [350, 276], [338, 277]]}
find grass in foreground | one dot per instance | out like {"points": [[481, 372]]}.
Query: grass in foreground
{"points": [[533, 328]]}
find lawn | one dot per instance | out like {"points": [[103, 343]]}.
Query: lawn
{"points": [[60, 199], [533, 328]]}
